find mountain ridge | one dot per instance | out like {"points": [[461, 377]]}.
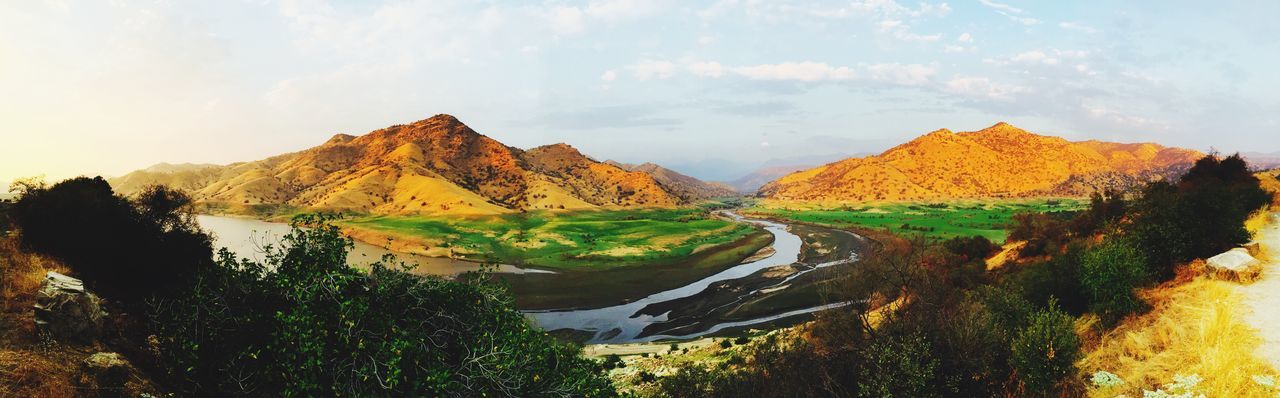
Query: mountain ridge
{"points": [[431, 166], [998, 161]]}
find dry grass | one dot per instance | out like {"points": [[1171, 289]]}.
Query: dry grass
{"points": [[1195, 327], [21, 274]]}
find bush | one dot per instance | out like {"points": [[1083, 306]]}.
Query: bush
{"points": [[897, 367], [971, 248], [1044, 353], [726, 343], [126, 250], [1201, 216], [742, 340], [1110, 273], [313, 326]]}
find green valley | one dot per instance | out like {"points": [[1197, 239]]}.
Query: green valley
{"points": [[942, 219]]}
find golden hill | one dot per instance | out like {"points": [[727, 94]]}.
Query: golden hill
{"points": [[686, 187], [433, 166], [999, 161]]}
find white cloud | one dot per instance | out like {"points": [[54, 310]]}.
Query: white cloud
{"points": [[764, 145], [954, 49], [1077, 27], [982, 88], [1001, 6], [898, 30], [609, 75], [902, 74], [650, 69], [795, 71], [1020, 19], [707, 69], [965, 38], [706, 40], [566, 20], [1039, 57]]}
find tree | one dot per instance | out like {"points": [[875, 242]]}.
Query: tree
{"points": [[1110, 273], [127, 250], [897, 366], [313, 326], [1044, 353]]}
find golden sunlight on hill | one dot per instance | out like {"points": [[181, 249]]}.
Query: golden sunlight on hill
{"points": [[999, 161], [433, 166]]}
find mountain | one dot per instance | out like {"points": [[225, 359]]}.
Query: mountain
{"points": [[686, 187], [437, 165], [999, 161], [1262, 160], [756, 179]]}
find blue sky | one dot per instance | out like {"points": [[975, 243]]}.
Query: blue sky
{"points": [[709, 88]]}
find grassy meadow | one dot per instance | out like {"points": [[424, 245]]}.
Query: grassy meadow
{"points": [[939, 219], [577, 239]]}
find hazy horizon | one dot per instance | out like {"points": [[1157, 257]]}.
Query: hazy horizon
{"points": [[711, 89]]}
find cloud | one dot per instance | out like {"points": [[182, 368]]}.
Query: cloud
{"points": [[898, 30], [982, 88], [902, 74], [609, 75], [1076, 26], [1020, 19], [795, 71], [965, 38], [706, 69], [1011, 12], [573, 20], [1039, 57], [602, 117], [1001, 6], [650, 69]]}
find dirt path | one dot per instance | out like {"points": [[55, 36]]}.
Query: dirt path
{"points": [[1263, 296]]}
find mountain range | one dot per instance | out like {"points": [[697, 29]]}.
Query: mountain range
{"points": [[999, 161], [433, 166]]}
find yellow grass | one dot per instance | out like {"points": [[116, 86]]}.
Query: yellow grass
{"points": [[1195, 327]]}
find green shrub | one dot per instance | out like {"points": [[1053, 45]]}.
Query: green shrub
{"points": [[1044, 353], [303, 323], [897, 366], [725, 343], [742, 340], [1110, 274]]}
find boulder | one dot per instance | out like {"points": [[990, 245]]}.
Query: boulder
{"points": [[108, 372], [66, 310], [1235, 264]]}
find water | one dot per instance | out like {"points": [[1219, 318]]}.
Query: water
{"points": [[624, 323], [615, 324], [245, 237]]}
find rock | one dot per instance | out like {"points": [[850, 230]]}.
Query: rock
{"points": [[1235, 264], [1254, 248], [109, 370], [66, 310]]}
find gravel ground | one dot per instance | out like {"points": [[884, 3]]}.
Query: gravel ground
{"points": [[1263, 296]]}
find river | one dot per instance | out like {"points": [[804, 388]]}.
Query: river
{"points": [[614, 324]]}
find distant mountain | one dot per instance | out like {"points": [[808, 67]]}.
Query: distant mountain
{"points": [[999, 161], [1262, 160], [756, 179], [437, 165], [686, 187], [775, 168]]}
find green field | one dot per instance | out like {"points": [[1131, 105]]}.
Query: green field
{"points": [[987, 218], [580, 239]]}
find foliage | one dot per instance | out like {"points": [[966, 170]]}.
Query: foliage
{"points": [[1044, 353], [1202, 215], [897, 367], [1110, 274], [972, 247], [126, 249], [303, 323]]}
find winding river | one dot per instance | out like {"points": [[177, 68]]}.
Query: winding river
{"points": [[614, 324]]}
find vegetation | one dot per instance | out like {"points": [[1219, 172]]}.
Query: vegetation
{"points": [[1012, 331], [125, 249], [958, 218], [299, 323], [593, 239]]}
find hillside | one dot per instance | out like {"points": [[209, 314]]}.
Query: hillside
{"points": [[686, 187], [999, 161], [433, 166]]}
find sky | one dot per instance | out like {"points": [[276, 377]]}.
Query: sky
{"points": [[711, 88]]}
